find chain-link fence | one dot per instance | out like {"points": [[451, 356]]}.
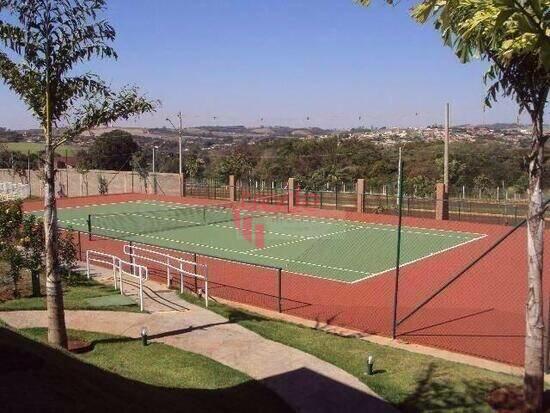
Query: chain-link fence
{"points": [[461, 286]]}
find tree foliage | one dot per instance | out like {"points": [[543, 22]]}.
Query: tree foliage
{"points": [[45, 40], [112, 151]]}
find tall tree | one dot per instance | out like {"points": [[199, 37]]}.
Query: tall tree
{"points": [[513, 36], [112, 150], [43, 43]]}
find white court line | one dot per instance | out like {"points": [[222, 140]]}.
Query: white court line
{"points": [[356, 225], [85, 206], [328, 220], [250, 253], [284, 244], [196, 244], [141, 214], [291, 217]]}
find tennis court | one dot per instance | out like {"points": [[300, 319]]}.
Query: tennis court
{"points": [[339, 250]]}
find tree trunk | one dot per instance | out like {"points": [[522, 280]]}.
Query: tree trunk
{"points": [[35, 280], [534, 335], [57, 332]]}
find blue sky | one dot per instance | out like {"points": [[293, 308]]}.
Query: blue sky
{"points": [[282, 61]]}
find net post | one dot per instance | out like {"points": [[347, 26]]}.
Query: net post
{"points": [[89, 222], [398, 246], [279, 290]]}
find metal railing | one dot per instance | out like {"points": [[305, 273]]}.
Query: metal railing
{"points": [[117, 264], [168, 262]]}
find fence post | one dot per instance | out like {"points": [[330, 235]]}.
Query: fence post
{"points": [[132, 260], [547, 343], [398, 250], [79, 247], [88, 265], [279, 290], [195, 271]]}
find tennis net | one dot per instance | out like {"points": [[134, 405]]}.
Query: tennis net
{"points": [[172, 217]]}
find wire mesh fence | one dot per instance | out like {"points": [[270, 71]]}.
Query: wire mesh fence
{"points": [[462, 286]]}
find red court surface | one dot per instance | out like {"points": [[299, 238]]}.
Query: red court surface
{"points": [[480, 314]]}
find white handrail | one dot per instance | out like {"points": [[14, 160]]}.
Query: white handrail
{"points": [[117, 265], [130, 250]]}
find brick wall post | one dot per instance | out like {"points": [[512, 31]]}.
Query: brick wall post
{"points": [[291, 193], [182, 185], [232, 188], [360, 195], [441, 202]]}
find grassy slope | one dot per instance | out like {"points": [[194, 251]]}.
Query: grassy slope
{"points": [[412, 382], [33, 147], [121, 375], [74, 297]]}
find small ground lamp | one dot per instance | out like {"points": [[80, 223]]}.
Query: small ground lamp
{"points": [[370, 365], [144, 335]]}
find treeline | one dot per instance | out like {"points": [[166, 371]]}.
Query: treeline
{"points": [[338, 160], [315, 163]]}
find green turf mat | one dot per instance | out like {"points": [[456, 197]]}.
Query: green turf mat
{"points": [[109, 301]]}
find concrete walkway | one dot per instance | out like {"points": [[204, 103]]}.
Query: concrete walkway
{"points": [[305, 382]]}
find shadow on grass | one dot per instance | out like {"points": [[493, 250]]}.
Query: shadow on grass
{"points": [[36, 377], [58, 381], [435, 393]]}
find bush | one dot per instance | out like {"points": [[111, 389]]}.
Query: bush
{"points": [[102, 185], [68, 257]]}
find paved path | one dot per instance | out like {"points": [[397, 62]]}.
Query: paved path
{"points": [[305, 382]]}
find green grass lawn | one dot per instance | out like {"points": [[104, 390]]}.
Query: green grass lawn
{"points": [[83, 295], [412, 382], [120, 374], [33, 147], [334, 249]]}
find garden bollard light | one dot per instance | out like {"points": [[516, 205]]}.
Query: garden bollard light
{"points": [[144, 336], [370, 366]]}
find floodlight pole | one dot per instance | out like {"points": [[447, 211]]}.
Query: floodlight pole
{"points": [[154, 171], [180, 143], [180, 147]]}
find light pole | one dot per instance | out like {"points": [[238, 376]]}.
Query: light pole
{"points": [[446, 148], [180, 139], [154, 170]]}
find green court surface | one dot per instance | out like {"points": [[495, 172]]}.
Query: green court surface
{"points": [[346, 251]]}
